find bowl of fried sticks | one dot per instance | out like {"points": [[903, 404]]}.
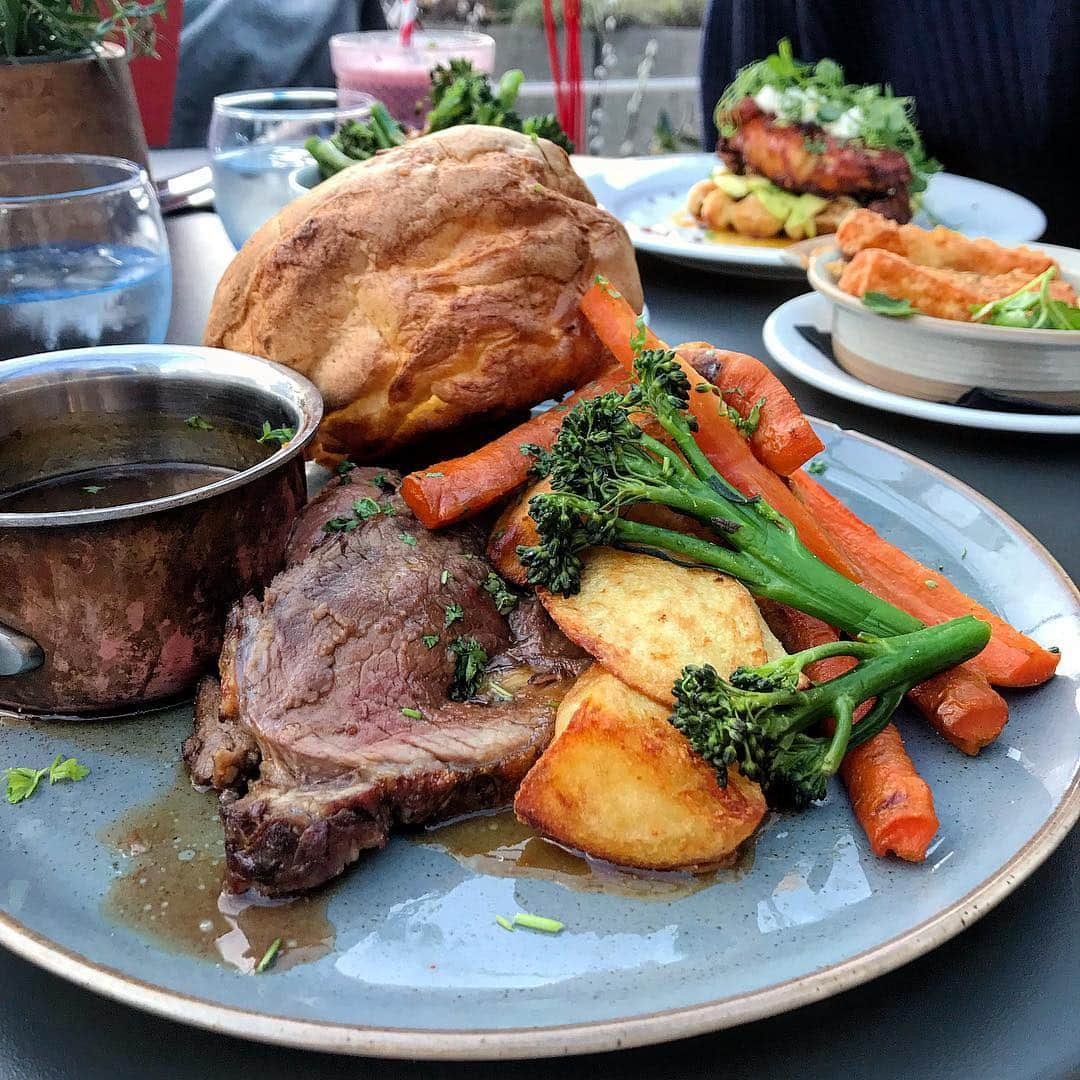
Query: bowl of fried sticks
{"points": [[933, 314]]}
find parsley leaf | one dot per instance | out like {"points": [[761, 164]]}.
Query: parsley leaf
{"points": [[279, 435], [470, 661], [66, 769], [23, 782], [888, 305], [503, 597]]}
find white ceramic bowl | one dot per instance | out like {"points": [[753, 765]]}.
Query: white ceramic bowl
{"points": [[941, 359]]}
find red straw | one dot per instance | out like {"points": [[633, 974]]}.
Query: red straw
{"points": [[553, 60], [569, 96], [408, 22]]}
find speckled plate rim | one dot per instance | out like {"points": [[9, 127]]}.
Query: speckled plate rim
{"points": [[833, 379], [600, 1036]]}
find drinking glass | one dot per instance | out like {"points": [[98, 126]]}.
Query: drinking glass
{"points": [[257, 141], [84, 259], [375, 62]]}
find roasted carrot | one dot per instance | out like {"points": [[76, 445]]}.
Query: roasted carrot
{"points": [[613, 320], [1010, 659], [892, 803], [463, 487], [783, 439], [962, 706]]}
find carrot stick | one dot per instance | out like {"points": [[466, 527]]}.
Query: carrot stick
{"points": [[783, 439], [465, 486], [892, 803], [614, 322], [962, 706], [1010, 658]]}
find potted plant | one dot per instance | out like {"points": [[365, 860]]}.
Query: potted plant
{"points": [[64, 80]]}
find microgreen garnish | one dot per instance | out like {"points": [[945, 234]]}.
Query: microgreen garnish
{"points": [[268, 956], [888, 305], [453, 612], [502, 596], [1030, 308], [815, 146], [23, 782], [279, 435], [197, 423]]}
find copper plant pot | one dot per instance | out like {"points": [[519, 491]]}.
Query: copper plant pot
{"points": [[80, 105], [103, 611]]}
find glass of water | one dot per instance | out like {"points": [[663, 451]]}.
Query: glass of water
{"points": [[83, 255], [257, 142]]}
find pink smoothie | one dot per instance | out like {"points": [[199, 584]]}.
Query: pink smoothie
{"points": [[374, 62]]}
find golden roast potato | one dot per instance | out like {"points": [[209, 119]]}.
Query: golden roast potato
{"points": [[620, 783]]}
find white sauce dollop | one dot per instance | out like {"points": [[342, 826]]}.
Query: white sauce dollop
{"points": [[804, 107]]}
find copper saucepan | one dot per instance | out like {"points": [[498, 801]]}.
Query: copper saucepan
{"points": [[111, 608]]}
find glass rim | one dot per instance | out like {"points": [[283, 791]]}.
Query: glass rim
{"points": [[450, 35], [133, 176], [240, 104]]}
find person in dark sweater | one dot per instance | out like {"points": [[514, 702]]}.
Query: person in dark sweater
{"points": [[997, 85]]}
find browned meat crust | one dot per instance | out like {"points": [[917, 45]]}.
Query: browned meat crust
{"points": [[785, 154]]}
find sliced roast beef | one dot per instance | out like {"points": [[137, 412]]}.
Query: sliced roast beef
{"points": [[337, 681]]}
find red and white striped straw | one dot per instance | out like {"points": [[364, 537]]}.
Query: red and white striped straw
{"points": [[408, 22]]}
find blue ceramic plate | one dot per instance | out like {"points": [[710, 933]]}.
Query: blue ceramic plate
{"points": [[647, 194], [112, 882]]}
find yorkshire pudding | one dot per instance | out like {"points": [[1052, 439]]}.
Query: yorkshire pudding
{"points": [[436, 283]]}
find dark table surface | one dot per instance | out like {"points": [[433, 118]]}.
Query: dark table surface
{"points": [[1001, 1000]]}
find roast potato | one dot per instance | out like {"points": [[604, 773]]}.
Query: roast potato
{"points": [[644, 619], [621, 784], [513, 527]]}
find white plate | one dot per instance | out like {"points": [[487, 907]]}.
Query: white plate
{"points": [[645, 192], [797, 356]]}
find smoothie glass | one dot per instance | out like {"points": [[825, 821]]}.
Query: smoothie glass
{"points": [[375, 62]]}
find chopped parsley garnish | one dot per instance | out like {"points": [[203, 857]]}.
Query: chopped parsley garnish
{"points": [[341, 524], [93, 489], [453, 613], [444, 577], [503, 597], [384, 485], [640, 335], [499, 691], [407, 538], [430, 640], [470, 661], [268, 956], [815, 146], [279, 435], [888, 305], [816, 468], [343, 469], [505, 923], [607, 287], [23, 782], [537, 922], [930, 583], [434, 475], [366, 508], [412, 714], [197, 423]]}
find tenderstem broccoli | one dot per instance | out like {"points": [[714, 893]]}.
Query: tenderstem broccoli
{"points": [[759, 721], [602, 462], [356, 140]]}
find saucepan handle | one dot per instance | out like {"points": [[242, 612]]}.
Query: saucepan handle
{"points": [[18, 653]]}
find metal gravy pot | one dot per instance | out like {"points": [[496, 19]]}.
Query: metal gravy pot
{"points": [[108, 609]]}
